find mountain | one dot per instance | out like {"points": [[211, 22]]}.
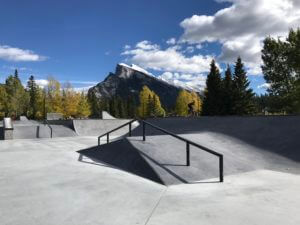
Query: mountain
{"points": [[129, 80]]}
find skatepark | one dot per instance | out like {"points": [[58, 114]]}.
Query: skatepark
{"points": [[71, 179]]}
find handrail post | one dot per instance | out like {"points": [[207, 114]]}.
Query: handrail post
{"points": [[129, 129], [187, 153], [144, 131], [51, 131], [221, 168], [107, 138], [98, 140]]}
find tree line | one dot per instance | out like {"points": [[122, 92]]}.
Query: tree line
{"points": [[224, 95], [34, 101]]}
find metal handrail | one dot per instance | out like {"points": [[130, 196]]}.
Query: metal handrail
{"points": [[107, 133], [48, 124], [188, 143]]}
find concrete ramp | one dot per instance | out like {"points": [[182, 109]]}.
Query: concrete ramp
{"points": [[163, 158], [275, 134], [107, 116], [96, 127]]}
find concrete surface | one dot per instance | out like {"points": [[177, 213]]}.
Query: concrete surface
{"points": [[44, 181], [48, 181]]}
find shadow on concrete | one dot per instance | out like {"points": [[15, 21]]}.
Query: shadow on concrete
{"points": [[122, 155]]}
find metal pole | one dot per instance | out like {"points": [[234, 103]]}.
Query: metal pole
{"points": [[107, 136], [187, 153], [98, 141], [144, 131], [221, 168], [130, 130]]}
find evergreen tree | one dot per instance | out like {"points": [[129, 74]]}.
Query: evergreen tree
{"points": [[243, 95], [213, 93], [32, 89], [17, 97], [97, 105], [131, 107], [228, 92]]}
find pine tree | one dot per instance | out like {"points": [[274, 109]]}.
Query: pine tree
{"points": [[32, 89], [227, 92], [243, 96], [213, 93], [131, 107], [17, 97]]}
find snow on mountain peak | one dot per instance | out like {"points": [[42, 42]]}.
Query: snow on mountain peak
{"points": [[136, 68]]}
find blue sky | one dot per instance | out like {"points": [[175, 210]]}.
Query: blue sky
{"points": [[82, 41]]}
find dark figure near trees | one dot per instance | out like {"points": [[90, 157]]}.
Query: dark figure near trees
{"points": [[191, 108]]}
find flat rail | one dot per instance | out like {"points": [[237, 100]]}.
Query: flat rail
{"points": [[188, 143]]}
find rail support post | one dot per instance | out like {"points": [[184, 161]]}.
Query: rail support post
{"points": [[187, 153], [107, 138], [98, 141], [221, 168], [130, 130], [144, 131]]}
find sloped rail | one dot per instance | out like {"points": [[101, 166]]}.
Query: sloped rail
{"points": [[188, 143]]}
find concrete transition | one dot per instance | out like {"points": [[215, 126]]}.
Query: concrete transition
{"points": [[106, 115]]}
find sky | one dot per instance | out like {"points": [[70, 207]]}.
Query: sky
{"points": [[81, 41]]}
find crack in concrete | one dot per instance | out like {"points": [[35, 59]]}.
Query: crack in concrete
{"points": [[156, 205]]}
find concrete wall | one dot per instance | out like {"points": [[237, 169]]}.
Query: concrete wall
{"points": [[97, 127]]}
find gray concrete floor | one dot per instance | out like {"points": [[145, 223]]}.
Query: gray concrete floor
{"points": [[42, 181]]}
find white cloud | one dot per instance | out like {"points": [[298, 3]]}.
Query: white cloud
{"points": [[16, 54], [171, 41], [195, 82], [82, 89], [151, 56], [127, 47], [146, 45], [242, 27], [264, 86], [41, 82], [190, 49]]}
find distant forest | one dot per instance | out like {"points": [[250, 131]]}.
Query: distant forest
{"points": [[224, 95]]}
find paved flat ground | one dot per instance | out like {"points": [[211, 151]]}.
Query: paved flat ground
{"points": [[44, 181]]}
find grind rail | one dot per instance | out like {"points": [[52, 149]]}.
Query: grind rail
{"points": [[188, 142]]}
